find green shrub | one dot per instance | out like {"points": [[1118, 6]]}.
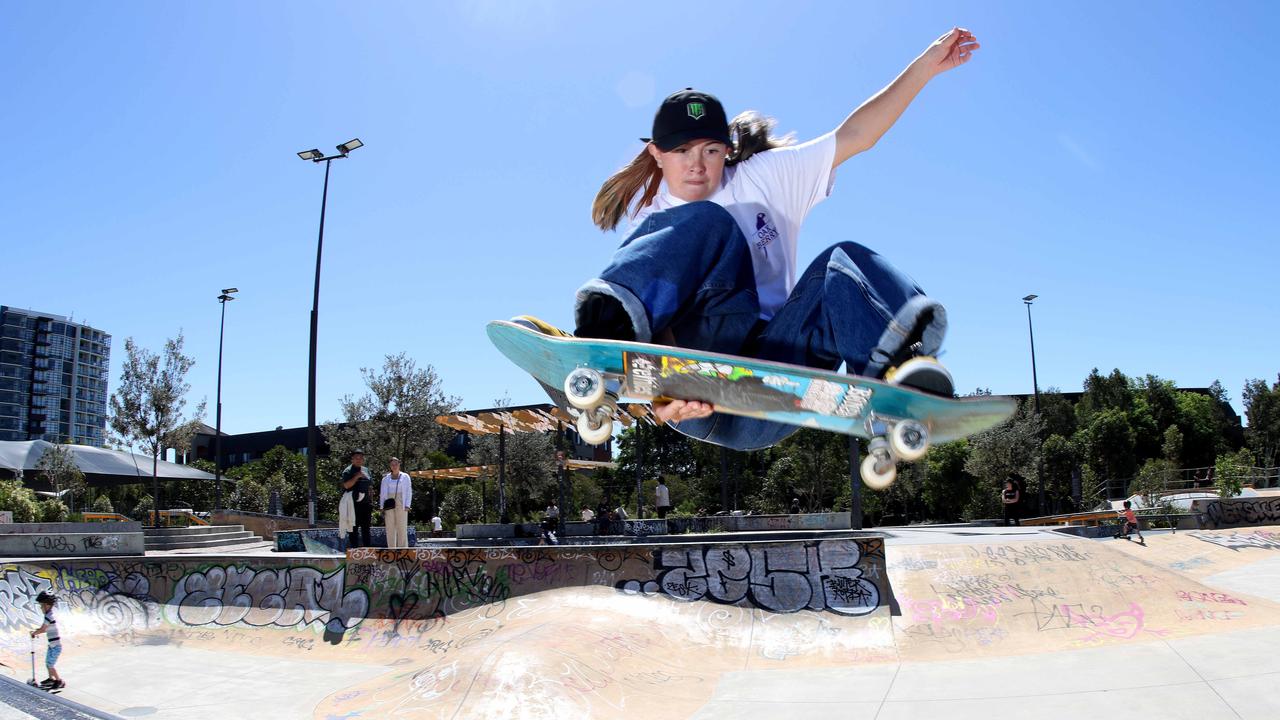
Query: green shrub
{"points": [[53, 511], [103, 505], [18, 500], [142, 511], [1230, 472]]}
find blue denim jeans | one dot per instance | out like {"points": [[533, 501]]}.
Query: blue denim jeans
{"points": [[684, 275]]}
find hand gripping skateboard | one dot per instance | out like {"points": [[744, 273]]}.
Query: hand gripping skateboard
{"points": [[899, 423]]}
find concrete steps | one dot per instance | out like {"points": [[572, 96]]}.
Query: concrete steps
{"points": [[212, 536]]}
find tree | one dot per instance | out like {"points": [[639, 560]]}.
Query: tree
{"points": [[1059, 461], [1010, 448], [1230, 472], [147, 409], [1153, 477], [1171, 449], [530, 468], [1198, 424], [103, 505], [663, 451], [58, 468], [396, 417], [1262, 409], [461, 504], [1109, 392], [947, 487], [1108, 444], [811, 465]]}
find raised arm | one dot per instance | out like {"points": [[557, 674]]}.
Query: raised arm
{"points": [[861, 130]]}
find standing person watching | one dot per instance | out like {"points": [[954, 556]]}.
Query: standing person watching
{"points": [[662, 498], [356, 480], [1010, 498], [396, 493]]}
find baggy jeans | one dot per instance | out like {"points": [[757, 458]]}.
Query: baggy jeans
{"points": [[685, 273]]}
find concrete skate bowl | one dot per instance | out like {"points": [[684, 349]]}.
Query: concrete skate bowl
{"points": [[435, 632], [700, 630]]}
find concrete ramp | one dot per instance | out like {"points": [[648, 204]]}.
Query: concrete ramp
{"points": [[840, 627]]}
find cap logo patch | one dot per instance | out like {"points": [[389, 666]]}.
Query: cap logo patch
{"points": [[696, 110]]}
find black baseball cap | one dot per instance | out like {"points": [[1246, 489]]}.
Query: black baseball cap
{"points": [[689, 115], [355, 452]]}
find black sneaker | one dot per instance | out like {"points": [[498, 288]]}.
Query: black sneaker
{"points": [[923, 373], [604, 317], [47, 682]]}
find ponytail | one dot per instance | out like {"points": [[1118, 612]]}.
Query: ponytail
{"points": [[751, 133], [615, 196]]}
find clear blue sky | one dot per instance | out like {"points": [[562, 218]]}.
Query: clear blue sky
{"points": [[1118, 159]]}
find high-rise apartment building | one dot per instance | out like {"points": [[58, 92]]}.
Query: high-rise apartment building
{"points": [[53, 378]]}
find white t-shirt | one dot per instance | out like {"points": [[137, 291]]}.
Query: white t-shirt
{"points": [[662, 496], [770, 195], [436, 524]]}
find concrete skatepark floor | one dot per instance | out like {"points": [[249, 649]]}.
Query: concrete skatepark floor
{"points": [[949, 622]]}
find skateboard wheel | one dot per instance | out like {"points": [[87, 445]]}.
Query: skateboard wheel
{"points": [[584, 388], [594, 429], [876, 473], [909, 440]]}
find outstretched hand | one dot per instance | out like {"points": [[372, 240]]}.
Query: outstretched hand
{"points": [[950, 51], [677, 410]]}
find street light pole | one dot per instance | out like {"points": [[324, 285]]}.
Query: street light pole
{"points": [[317, 156], [1035, 387], [1035, 383], [223, 299]]}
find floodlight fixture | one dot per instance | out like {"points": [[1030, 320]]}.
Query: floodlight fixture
{"points": [[350, 145], [1029, 298], [311, 154]]}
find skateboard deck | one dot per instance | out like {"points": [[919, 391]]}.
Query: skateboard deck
{"points": [[779, 392]]}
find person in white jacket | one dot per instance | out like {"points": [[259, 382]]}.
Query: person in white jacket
{"points": [[396, 494]]}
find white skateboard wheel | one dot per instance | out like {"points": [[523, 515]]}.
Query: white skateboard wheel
{"points": [[584, 388], [876, 476], [593, 429], [909, 440]]}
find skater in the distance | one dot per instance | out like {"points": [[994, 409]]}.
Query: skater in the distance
{"points": [[50, 630], [710, 260], [1129, 524]]}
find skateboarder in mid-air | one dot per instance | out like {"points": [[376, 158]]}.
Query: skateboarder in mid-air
{"points": [[709, 262]]}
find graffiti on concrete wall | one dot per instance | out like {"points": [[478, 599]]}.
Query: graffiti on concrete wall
{"points": [[283, 597], [1260, 539], [18, 591], [822, 575], [1233, 512]]}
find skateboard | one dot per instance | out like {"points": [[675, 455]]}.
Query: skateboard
{"points": [[594, 375]]}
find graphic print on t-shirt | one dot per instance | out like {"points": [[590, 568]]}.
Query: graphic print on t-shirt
{"points": [[765, 233]]}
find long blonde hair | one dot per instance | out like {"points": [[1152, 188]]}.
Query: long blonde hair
{"points": [[751, 133]]}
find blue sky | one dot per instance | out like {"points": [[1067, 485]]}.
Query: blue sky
{"points": [[1117, 159]]}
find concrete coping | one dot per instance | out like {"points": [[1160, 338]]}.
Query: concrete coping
{"points": [[92, 528]]}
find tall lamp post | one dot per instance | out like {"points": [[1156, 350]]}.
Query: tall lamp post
{"points": [[318, 157], [1035, 387], [223, 299], [1035, 383]]}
